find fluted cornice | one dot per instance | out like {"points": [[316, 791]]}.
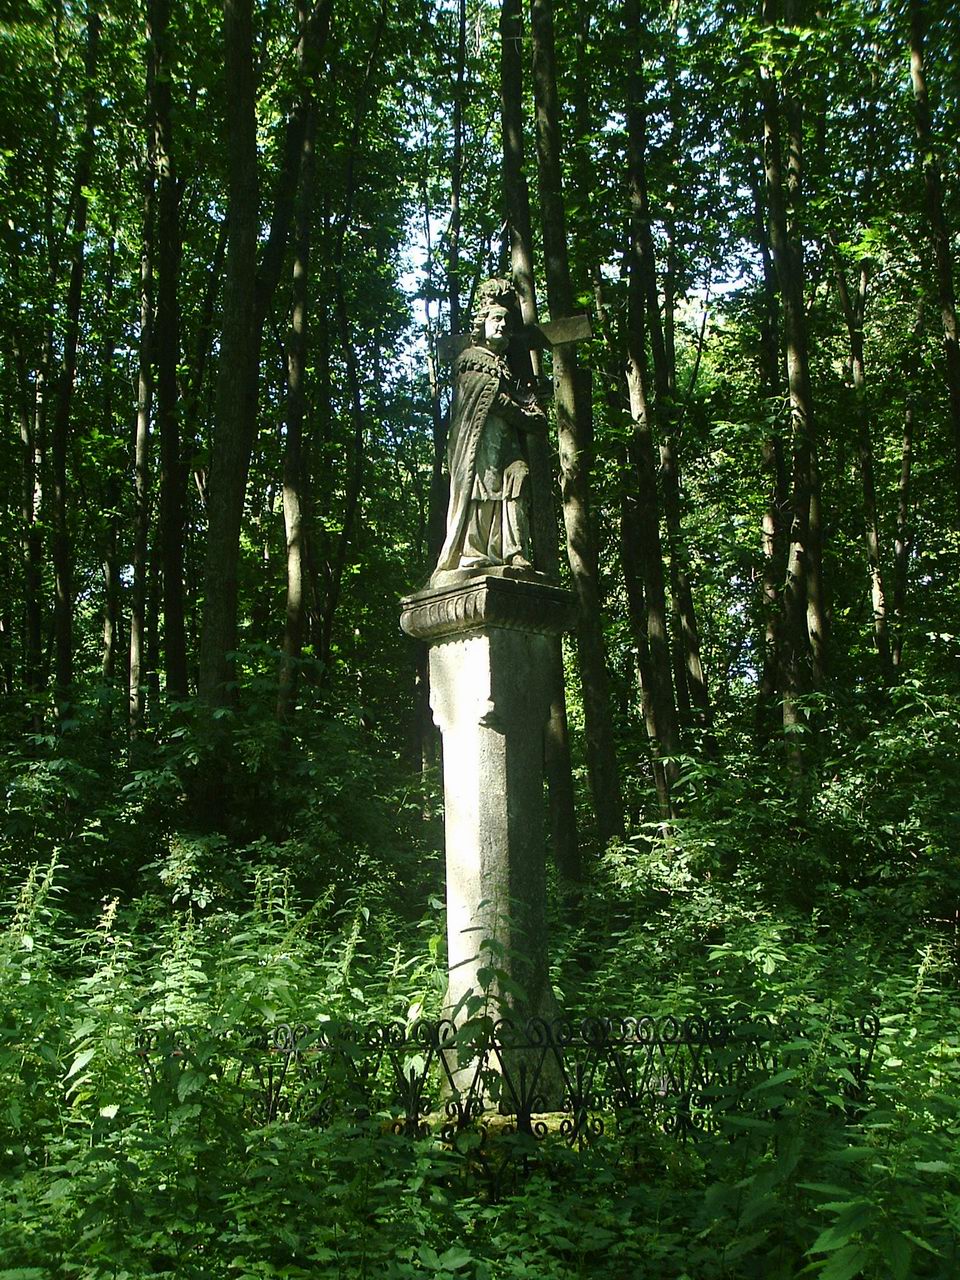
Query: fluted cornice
{"points": [[512, 603]]}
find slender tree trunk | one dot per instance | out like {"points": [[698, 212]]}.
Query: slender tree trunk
{"points": [[62, 551], [356, 473], [167, 349], [456, 176], [903, 543], [141, 465], [795, 640], [424, 731], [293, 493], [853, 312], [30, 540], [572, 404], [643, 560], [772, 529], [937, 225], [632, 535], [562, 809], [112, 491], [235, 425], [694, 677], [202, 346], [641, 517], [816, 594], [317, 464], [152, 634], [248, 296], [7, 628], [691, 684]]}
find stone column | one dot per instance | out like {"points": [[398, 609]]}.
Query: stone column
{"points": [[490, 663]]}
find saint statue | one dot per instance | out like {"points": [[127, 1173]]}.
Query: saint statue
{"points": [[488, 519]]}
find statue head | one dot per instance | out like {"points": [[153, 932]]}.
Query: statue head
{"points": [[494, 314]]}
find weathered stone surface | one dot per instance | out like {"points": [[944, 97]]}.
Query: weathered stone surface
{"points": [[471, 600], [491, 642], [492, 415]]}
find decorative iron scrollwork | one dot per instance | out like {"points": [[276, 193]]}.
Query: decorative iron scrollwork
{"points": [[567, 1081]]}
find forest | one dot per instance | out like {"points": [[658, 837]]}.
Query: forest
{"points": [[235, 242]]}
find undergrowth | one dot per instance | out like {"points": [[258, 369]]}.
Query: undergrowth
{"points": [[135, 919]]}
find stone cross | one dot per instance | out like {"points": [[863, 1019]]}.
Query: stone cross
{"points": [[493, 634], [532, 337]]}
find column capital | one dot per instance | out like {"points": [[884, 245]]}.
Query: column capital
{"points": [[487, 599]]}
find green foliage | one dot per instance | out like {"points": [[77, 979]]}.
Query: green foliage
{"points": [[117, 1162], [217, 871]]}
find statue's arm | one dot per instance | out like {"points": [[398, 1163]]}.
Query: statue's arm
{"points": [[527, 415]]}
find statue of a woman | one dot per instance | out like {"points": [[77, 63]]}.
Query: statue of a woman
{"points": [[488, 519]]}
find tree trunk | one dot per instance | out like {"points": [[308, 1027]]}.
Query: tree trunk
{"points": [[112, 490], [795, 640], [937, 225], [62, 551], [573, 428], [248, 295], [167, 349], [816, 597], [904, 541], [356, 465], [293, 489], [853, 313], [562, 809], [236, 413], [772, 530], [152, 634], [30, 539], [642, 523], [456, 176], [141, 465], [633, 533], [202, 346], [643, 557], [691, 684]]}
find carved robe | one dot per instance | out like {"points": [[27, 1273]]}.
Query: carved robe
{"points": [[486, 461]]}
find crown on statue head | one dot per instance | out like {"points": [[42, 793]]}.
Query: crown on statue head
{"points": [[497, 292]]}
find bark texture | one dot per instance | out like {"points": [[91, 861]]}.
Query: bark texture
{"points": [[854, 308], [573, 428], [167, 349], [937, 224], [640, 507], [562, 809], [295, 515], [141, 469], [236, 410], [61, 548], [797, 641]]}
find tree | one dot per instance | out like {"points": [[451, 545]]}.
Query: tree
{"points": [[572, 406], [237, 377], [936, 225]]}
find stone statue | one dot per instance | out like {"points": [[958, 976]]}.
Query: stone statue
{"points": [[488, 518]]}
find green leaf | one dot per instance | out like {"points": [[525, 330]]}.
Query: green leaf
{"points": [[79, 1062], [852, 1218], [190, 1082], [455, 1258], [429, 1257], [846, 1263], [921, 1244]]}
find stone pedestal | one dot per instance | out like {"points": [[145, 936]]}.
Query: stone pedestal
{"points": [[490, 661]]}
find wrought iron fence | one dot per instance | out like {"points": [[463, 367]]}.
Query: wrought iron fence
{"points": [[570, 1080]]}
